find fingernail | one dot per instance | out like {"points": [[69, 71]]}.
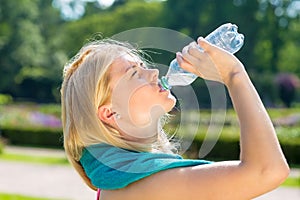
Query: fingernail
{"points": [[200, 39], [178, 56]]}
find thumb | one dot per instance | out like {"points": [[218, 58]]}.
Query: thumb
{"points": [[208, 47]]}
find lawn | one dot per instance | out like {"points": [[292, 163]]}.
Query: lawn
{"points": [[292, 182], [34, 159], [5, 196]]}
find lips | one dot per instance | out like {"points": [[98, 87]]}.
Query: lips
{"points": [[161, 89]]}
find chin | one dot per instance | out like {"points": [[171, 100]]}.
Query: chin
{"points": [[171, 104]]}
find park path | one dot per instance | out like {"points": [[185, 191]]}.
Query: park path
{"points": [[41, 180], [62, 182]]}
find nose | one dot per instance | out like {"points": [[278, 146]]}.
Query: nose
{"points": [[152, 75]]}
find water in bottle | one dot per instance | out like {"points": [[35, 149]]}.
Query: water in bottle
{"points": [[225, 37]]}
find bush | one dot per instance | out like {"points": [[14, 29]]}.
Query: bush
{"points": [[1, 146], [223, 150], [43, 137], [18, 130], [271, 92], [31, 124], [30, 115], [292, 153], [229, 149], [287, 123], [5, 99]]}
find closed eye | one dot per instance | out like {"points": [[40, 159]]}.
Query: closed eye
{"points": [[134, 73]]}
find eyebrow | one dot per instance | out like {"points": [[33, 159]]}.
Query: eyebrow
{"points": [[130, 67]]}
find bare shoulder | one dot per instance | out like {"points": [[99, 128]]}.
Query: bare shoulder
{"points": [[222, 180], [150, 187]]}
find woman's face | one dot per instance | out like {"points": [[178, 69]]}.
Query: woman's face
{"points": [[136, 93]]}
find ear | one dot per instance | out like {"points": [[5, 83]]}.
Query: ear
{"points": [[105, 114]]}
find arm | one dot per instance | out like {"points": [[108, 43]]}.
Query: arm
{"points": [[260, 150], [262, 166], [259, 144]]}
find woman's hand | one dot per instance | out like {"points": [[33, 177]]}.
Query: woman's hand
{"points": [[211, 63]]}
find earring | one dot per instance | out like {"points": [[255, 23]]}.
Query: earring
{"points": [[117, 115]]}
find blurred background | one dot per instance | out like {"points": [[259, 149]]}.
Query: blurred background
{"points": [[37, 37]]}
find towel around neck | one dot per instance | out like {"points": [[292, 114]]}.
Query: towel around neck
{"points": [[110, 167]]}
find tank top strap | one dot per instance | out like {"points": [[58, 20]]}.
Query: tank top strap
{"points": [[98, 194]]}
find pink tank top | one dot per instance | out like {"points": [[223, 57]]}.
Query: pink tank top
{"points": [[98, 194]]}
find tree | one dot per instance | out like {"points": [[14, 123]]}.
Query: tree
{"points": [[271, 32], [21, 43], [133, 14], [26, 44], [289, 58]]}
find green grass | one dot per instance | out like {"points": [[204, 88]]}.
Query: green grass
{"points": [[5, 196], [292, 182], [281, 112], [34, 159]]}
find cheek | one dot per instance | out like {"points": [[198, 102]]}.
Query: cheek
{"points": [[132, 101], [141, 101], [147, 99], [144, 107], [122, 93]]}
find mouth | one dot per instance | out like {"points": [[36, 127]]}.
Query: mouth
{"points": [[161, 89]]}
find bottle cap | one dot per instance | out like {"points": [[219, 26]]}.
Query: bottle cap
{"points": [[164, 83]]}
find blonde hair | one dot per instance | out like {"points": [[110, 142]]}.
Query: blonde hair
{"points": [[86, 87]]}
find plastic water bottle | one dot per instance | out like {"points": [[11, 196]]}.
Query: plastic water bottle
{"points": [[226, 37]]}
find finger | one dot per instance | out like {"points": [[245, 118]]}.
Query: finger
{"points": [[184, 64], [208, 47], [197, 52], [187, 56], [189, 46], [203, 43]]}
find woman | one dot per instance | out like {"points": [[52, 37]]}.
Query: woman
{"points": [[113, 106]]}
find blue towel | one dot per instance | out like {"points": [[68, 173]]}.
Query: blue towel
{"points": [[110, 168]]}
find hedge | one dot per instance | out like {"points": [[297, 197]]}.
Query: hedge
{"points": [[43, 137], [225, 148], [1, 146], [229, 150]]}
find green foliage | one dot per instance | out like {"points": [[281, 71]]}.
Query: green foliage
{"points": [[30, 115], [289, 53], [35, 42], [37, 125], [51, 109], [45, 137], [133, 14], [17, 130], [291, 182], [227, 146], [266, 88], [1, 146], [5, 196], [34, 159], [5, 99], [26, 42]]}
